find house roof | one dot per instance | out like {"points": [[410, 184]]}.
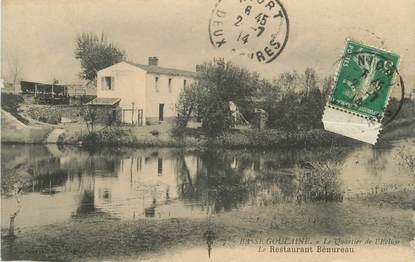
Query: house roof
{"points": [[104, 101], [164, 70]]}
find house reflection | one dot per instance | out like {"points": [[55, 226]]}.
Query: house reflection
{"points": [[143, 188]]}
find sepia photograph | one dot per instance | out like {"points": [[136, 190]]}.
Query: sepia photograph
{"points": [[207, 130]]}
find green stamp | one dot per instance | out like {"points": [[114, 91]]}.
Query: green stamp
{"points": [[364, 80]]}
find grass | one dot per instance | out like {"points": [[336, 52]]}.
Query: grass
{"points": [[165, 135]]}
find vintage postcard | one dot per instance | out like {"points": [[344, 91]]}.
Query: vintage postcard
{"points": [[207, 130]]}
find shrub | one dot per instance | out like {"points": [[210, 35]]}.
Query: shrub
{"points": [[154, 132], [11, 103], [320, 183], [48, 115], [104, 137]]}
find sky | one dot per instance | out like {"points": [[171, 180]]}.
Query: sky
{"points": [[41, 34]]}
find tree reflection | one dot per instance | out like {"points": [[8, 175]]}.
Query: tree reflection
{"points": [[239, 180], [86, 204]]}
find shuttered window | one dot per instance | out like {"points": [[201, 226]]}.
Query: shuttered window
{"points": [[107, 83]]}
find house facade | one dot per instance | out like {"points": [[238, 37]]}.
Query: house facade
{"points": [[147, 90]]}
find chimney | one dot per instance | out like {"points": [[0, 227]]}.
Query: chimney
{"points": [[153, 61]]}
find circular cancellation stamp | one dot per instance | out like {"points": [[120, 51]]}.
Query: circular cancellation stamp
{"points": [[256, 29]]}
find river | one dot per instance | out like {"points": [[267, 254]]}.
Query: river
{"points": [[158, 183]]}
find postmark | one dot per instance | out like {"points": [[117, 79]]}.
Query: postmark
{"points": [[255, 29]]}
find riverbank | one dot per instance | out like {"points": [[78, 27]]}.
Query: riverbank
{"points": [[105, 237], [166, 135]]}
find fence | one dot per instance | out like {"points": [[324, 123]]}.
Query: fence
{"points": [[131, 116]]}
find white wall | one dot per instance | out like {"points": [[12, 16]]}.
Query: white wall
{"points": [[163, 95], [129, 85], [133, 84]]}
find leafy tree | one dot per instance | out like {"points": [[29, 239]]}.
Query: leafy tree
{"points": [[186, 105], [218, 84], [294, 102], [96, 53]]}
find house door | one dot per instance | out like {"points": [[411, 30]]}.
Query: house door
{"points": [[161, 112]]}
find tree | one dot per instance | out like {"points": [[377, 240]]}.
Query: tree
{"points": [[328, 83], [186, 105], [14, 70], [294, 102], [310, 80], [17, 189], [89, 115], [218, 84], [96, 53]]}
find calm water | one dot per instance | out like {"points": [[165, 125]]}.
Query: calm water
{"points": [[71, 183]]}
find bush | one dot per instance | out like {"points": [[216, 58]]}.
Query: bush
{"points": [[154, 132], [11, 103], [104, 137], [44, 114]]}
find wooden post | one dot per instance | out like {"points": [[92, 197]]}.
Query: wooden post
{"points": [[132, 113]]}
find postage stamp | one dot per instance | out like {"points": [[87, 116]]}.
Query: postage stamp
{"points": [[256, 29], [361, 91]]}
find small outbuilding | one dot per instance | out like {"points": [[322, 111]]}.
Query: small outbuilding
{"points": [[105, 110]]}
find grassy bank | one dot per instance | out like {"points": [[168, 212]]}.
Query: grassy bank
{"points": [[103, 237], [164, 135], [275, 138]]}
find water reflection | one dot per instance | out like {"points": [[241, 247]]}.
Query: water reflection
{"points": [[161, 183]]}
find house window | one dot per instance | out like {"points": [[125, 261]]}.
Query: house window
{"points": [[184, 83], [107, 83], [156, 83], [169, 85]]}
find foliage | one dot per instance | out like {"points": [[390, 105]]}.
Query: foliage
{"points": [[89, 115], [10, 103], [218, 84], [103, 137], [96, 53], [46, 114], [320, 183], [273, 138], [155, 132], [186, 105], [407, 110], [294, 102]]}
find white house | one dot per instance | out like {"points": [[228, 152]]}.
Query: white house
{"points": [[150, 89]]}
